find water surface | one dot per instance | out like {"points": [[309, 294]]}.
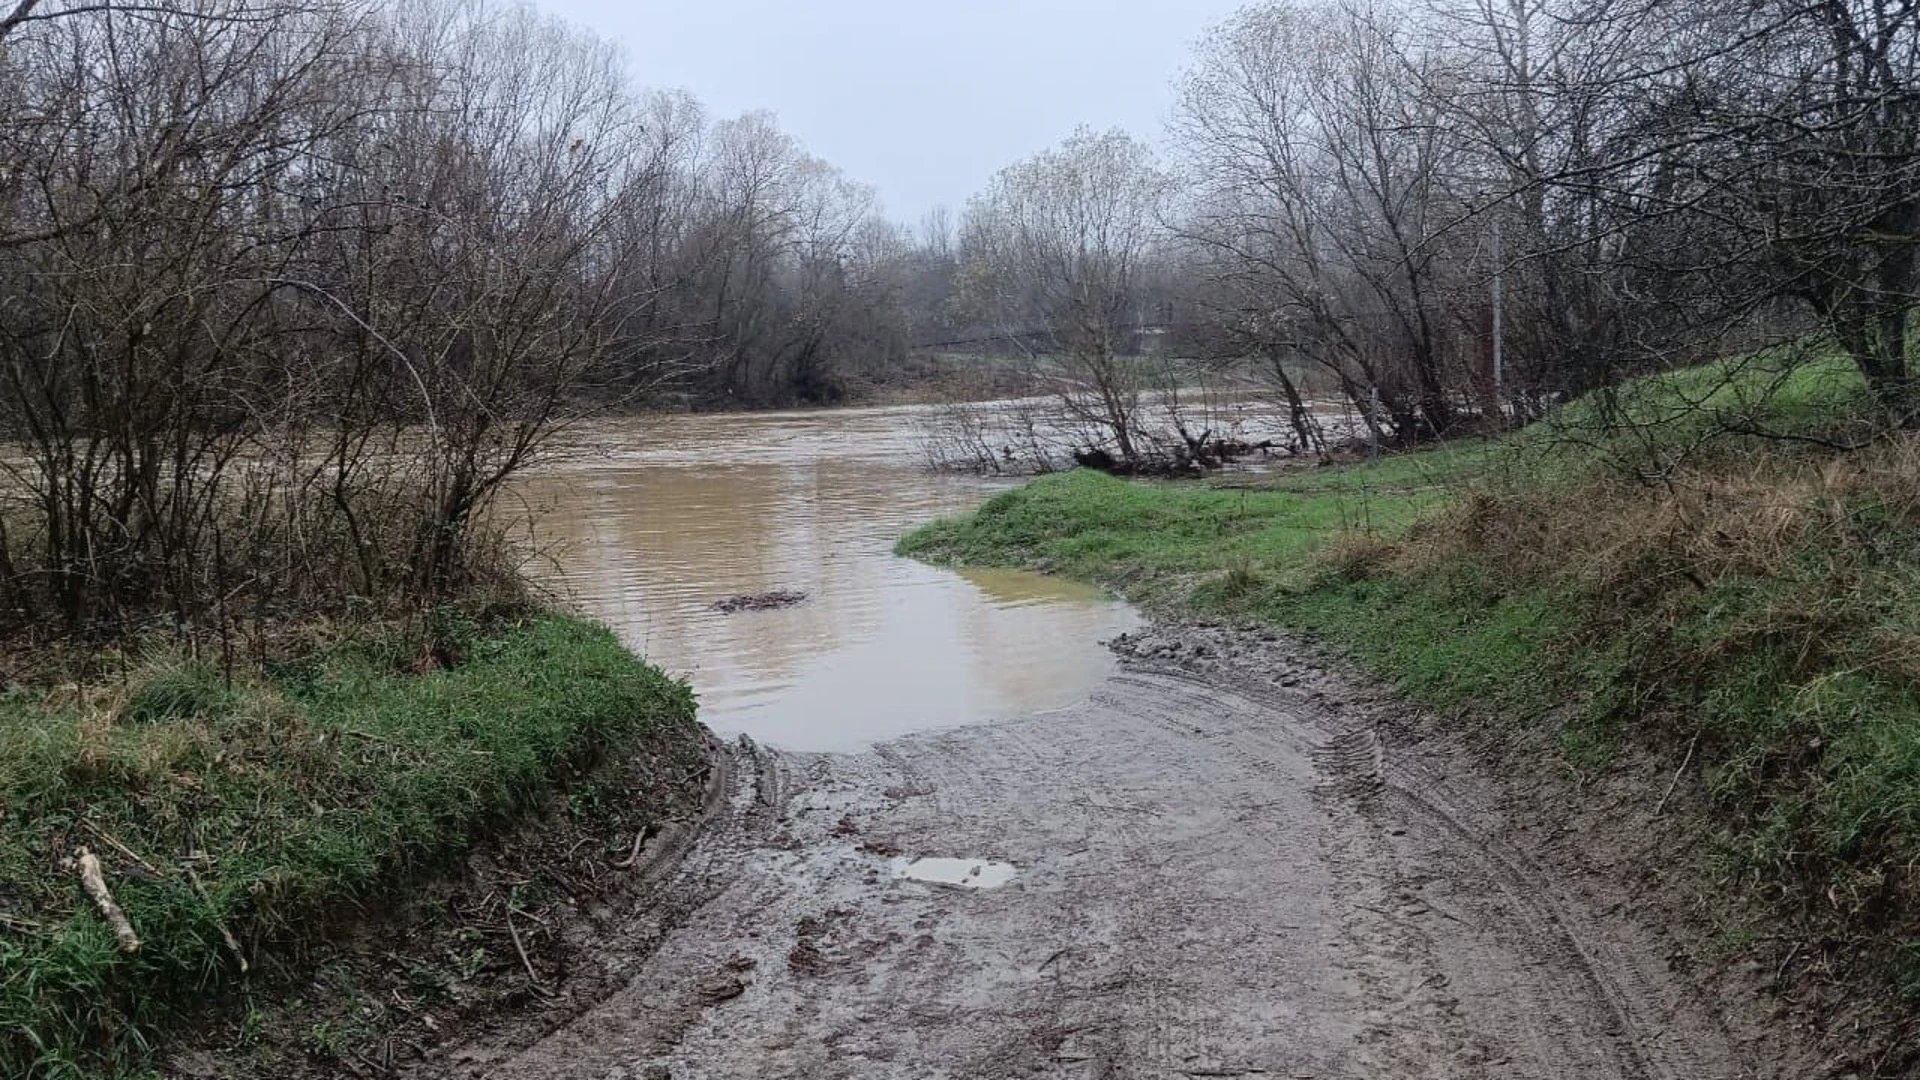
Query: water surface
{"points": [[664, 516]]}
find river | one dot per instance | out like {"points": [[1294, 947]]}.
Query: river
{"points": [[657, 518]]}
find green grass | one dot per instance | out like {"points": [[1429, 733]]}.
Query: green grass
{"points": [[1650, 424], [296, 794], [1163, 536], [1263, 552], [1672, 578], [1263, 555]]}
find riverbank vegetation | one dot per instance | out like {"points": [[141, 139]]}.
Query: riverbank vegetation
{"points": [[288, 294], [1741, 602], [241, 821], [1530, 235], [1457, 217]]}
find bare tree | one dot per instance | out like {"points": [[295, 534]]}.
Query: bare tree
{"points": [[1056, 253], [1323, 179], [290, 292], [142, 342]]}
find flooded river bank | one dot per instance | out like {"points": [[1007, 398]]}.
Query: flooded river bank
{"points": [[1201, 853], [660, 518]]}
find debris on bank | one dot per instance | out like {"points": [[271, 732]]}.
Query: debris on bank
{"points": [[766, 601]]}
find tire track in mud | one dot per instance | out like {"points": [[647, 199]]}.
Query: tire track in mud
{"points": [[1616, 986], [1652, 1031], [1434, 808], [1360, 774], [1421, 801], [1229, 870], [1411, 1026], [1423, 807]]}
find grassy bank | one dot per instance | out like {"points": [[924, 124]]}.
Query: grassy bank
{"points": [[1667, 576], [249, 817]]}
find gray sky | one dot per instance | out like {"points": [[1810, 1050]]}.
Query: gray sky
{"points": [[924, 101]]}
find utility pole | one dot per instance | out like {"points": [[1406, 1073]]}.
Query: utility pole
{"points": [[1499, 319], [1373, 424]]}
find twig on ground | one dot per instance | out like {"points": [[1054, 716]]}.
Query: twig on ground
{"points": [[633, 853], [1677, 774], [113, 842], [18, 924], [368, 736], [1780, 972], [95, 884], [226, 936], [533, 977]]}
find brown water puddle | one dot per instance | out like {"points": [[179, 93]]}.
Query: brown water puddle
{"points": [[666, 516]]}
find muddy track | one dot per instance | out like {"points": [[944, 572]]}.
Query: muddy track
{"points": [[1227, 865]]}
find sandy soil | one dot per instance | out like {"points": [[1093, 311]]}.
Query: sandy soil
{"points": [[1228, 862]]}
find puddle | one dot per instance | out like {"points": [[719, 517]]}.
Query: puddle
{"points": [[966, 873]]}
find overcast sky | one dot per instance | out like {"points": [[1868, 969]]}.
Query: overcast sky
{"points": [[925, 101]]}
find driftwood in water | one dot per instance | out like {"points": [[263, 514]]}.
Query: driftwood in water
{"points": [[766, 601], [1095, 458], [1198, 455]]}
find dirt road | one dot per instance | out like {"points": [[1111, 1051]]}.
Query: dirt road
{"points": [[1221, 865]]}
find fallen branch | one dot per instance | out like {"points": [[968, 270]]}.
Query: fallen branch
{"points": [[113, 842], [95, 883], [18, 924], [533, 977], [1677, 773], [767, 601], [633, 854], [1780, 972], [368, 736]]}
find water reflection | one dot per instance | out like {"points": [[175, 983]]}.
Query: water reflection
{"points": [[669, 517]]}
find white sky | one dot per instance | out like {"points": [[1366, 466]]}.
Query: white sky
{"points": [[924, 101]]}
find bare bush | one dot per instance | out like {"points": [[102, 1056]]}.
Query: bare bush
{"points": [[290, 292], [1018, 436]]}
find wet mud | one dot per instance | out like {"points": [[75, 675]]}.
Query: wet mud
{"points": [[1229, 861]]}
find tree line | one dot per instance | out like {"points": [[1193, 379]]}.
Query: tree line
{"points": [[1457, 211], [290, 288]]}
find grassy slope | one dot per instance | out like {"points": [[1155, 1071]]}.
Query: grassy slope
{"points": [[1753, 600], [306, 789]]}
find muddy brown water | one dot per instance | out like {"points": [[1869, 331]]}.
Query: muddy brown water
{"points": [[657, 519]]}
